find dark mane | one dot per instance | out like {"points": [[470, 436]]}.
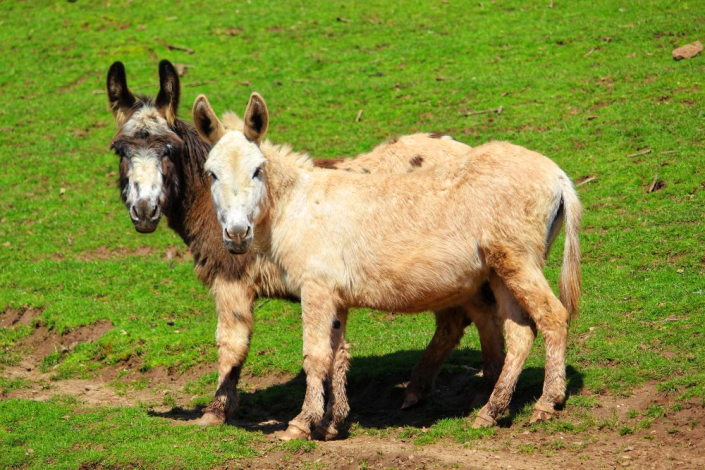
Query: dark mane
{"points": [[186, 180], [195, 148]]}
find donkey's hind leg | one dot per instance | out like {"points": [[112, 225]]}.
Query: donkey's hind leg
{"points": [[450, 328], [233, 302], [483, 311], [531, 290], [520, 332], [338, 407]]}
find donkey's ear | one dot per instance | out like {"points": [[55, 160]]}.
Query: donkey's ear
{"points": [[121, 100], [169, 91], [256, 118], [207, 123]]}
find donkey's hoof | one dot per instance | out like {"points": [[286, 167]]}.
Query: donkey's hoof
{"points": [[541, 416], [293, 433], [483, 422], [210, 419], [322, 433]]}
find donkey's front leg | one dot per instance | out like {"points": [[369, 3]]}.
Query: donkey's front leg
{"points": [[338, 407], [233, 302], [319, 307]]}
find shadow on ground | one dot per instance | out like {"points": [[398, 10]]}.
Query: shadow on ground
{"points": [[376, 391]]}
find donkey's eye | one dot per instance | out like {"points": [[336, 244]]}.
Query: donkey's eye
{"points": [[212, 176], [257, 172]]}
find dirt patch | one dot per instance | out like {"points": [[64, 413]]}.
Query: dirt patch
{"points": [[672, 439], [43, 341], [676, 440], [88, 391], [120, 385], [103, 253], [375, 453], [515, 448], [19, 316], [646, 429]]}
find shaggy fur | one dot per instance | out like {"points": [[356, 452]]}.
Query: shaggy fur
{"points": [[150, 128], [404, 243]]}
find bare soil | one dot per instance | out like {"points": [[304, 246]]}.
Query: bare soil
{"points": [[676, 440]]}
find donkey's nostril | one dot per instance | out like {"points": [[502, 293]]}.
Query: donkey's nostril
{"points": [[133, 213], [236, 233], [154, 212]]}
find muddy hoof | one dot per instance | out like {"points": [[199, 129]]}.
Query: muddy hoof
{"points": [[412, 399], [325, 434], [293, 433], [540, 416], [209, 419], [483, 422]]}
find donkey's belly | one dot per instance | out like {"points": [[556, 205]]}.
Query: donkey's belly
{"points": [[416, 293], [437, 301]]}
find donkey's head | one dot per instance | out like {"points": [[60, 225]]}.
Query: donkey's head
{"points": [[235, 166], [147, 143]]}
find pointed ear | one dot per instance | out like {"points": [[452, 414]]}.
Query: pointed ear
{"points": [[207, 123], [121, 100], [256, 118], [169, 91]]}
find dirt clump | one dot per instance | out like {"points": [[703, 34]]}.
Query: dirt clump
{"points": [[688, 51]]}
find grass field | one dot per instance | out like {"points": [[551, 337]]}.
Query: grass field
{"points": [[108, 339]]}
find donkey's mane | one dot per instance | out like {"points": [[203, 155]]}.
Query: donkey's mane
{"points": [[195, 148], [232, 121], [284, 153]]}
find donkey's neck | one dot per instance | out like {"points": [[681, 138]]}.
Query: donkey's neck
{"points": [[285, 168], [187, 204]]}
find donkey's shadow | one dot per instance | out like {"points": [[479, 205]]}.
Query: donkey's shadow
{"points": [[376, 386]]}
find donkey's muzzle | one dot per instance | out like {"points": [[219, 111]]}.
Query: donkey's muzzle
{"points": [[237, 238], [145, 216]]}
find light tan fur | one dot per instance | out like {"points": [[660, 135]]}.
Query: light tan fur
{"points": [[404, 243], [404, 154]]}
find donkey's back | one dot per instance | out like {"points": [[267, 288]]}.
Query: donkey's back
{"points": [[418, 241]]}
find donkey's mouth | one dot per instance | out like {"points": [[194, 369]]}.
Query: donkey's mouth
{"points": [[238, 248], [145, 226], [145, 220]]}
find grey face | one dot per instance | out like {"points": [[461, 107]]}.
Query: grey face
{"points": [[146, 146]]}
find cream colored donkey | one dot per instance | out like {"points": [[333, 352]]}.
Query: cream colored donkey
{"points": [[420, 241]]}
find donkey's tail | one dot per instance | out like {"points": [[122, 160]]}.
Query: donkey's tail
{"points": [[570, 283]]}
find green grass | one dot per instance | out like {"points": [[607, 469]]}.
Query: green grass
{"points": [[62, 435], [586, 84]]}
